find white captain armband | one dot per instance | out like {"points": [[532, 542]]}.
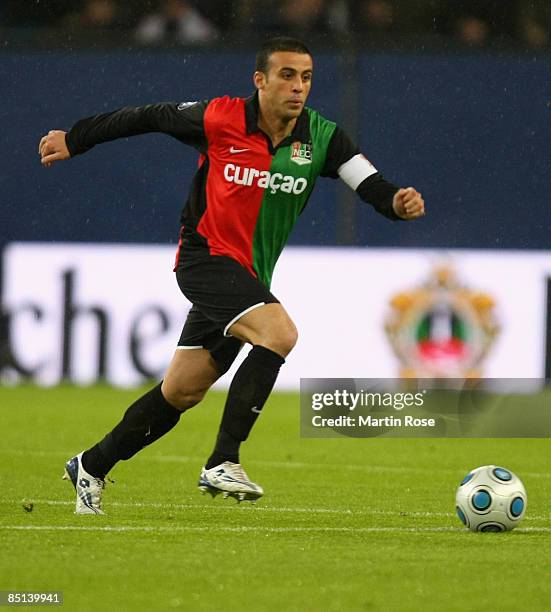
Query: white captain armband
{"points": [[356, 170]]}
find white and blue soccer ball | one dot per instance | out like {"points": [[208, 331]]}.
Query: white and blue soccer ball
{"points": [[491, 498]]}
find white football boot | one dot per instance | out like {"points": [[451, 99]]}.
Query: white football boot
{"points": [[89, 488], [231, 480]]}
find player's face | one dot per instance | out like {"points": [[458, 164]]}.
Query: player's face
{"points": [[287, 83]]}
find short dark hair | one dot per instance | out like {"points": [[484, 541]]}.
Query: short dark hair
{"points": [[279, 43]]}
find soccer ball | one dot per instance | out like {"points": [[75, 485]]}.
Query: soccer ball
{"points": [[490, 498]]}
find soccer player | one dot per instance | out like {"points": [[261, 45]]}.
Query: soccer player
{"points": [[259, 160]]}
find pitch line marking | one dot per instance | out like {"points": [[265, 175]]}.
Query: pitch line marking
{"points": [[275, 464], [198, 529], [227, 507], [191, 529], [281, 509]]}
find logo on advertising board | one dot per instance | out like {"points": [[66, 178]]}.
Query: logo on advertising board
{"points": [[301, 153], [442, 328]]}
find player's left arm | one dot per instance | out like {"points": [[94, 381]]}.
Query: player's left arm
{"points": [[408, 203], [344, 160]]}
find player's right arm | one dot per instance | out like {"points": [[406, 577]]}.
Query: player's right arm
{"points": [[52, 148], [183, 121]]}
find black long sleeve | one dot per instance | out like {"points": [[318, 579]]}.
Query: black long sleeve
{"points": [[378, 192], [183, 121], [374, 189]]}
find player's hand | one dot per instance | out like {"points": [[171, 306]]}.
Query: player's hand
{"points": [[408, 203], [53, 148]]}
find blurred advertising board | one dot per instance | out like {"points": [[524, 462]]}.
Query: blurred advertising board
{"points": [[89, 312]]}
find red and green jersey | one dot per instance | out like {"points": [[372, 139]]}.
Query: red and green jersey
{"points": [[246, 195], [253, 192]]}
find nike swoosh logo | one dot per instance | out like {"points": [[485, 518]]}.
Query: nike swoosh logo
{"points": [[256, 409], [234, 150]]}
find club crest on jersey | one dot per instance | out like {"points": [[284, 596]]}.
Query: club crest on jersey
{"points": [[301, 153]]}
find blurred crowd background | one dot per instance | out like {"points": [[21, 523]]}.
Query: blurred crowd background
{"points": [[519, 24]]}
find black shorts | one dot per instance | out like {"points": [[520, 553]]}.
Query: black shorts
{"points": [[221, 291]]}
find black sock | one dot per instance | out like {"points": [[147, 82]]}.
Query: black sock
{"points": [[248, 392], [226, 449], [147, 419]]}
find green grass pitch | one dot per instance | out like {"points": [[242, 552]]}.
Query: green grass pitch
{"points": [[346, 524]]}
